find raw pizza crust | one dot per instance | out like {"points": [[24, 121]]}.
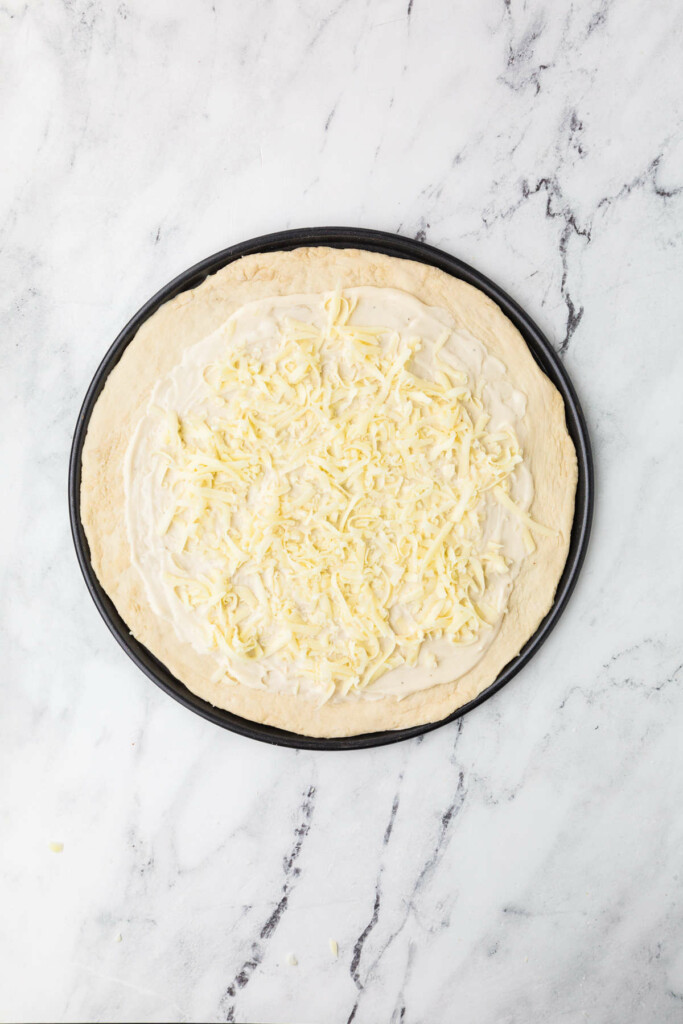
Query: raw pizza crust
{"points": [[191, 316]]}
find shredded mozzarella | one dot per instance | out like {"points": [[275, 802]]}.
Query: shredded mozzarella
{"points": [[365, 488]]}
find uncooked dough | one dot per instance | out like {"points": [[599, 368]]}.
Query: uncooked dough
{"points": [[177, 335]]}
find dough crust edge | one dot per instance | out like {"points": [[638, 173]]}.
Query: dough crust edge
{"points": [[183, 321]]}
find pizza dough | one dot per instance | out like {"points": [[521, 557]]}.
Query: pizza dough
{"points": [[186, 336]]}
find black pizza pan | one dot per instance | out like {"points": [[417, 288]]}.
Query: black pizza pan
{"points": [[390, 245]]}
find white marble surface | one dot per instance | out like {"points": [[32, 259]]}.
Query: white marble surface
{"points": [[522, 866]]}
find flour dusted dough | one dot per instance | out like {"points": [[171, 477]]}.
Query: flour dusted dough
{"points": [[159, 345]]}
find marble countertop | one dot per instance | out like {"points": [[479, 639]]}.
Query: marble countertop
{"points": [[523, 865]]}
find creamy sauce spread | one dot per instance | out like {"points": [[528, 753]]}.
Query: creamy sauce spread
{"points": [[328, 496]]}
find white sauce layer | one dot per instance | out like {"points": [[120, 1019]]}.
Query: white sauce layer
{"points": [[189, 390]]}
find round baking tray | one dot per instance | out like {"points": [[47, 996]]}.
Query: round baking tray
{"points": [[391, 245]]}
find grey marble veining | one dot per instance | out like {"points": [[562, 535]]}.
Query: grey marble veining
{"points": [[523, 865]]}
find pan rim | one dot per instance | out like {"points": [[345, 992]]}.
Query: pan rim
{"points": [[392, 245]]}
